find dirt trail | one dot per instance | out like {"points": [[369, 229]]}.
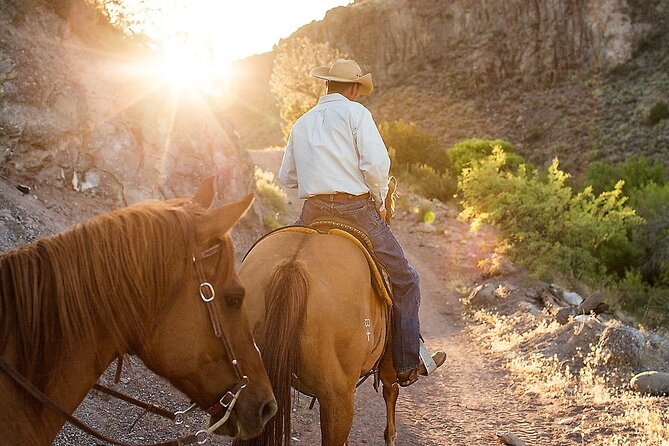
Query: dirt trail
{"points": [[463, 403], [471, 396]]}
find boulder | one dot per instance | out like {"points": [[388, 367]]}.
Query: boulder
{"points": [[572, 298], [593, 303], [115, 137], [563, 314], [620, 345], [482, 296], [651, 383]]}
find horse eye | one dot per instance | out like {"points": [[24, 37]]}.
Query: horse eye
{"points": [[235, 297]]}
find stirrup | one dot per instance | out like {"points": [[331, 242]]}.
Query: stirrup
{"points": [[426, 359]]}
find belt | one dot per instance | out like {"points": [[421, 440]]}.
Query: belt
{"points": [[341, 196]]}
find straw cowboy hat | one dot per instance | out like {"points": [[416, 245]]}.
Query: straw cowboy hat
{"points": [[345, 70]]}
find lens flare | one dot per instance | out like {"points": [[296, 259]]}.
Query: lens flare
{"points": [[429, 217]]}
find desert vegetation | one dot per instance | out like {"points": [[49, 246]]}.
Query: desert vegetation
{"points": [[608, 229]]}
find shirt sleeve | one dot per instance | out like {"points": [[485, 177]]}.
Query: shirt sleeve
{"points": [[374, 160], [288, 171]]}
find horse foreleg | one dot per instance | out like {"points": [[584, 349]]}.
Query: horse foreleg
{"points": [[390, 393], [336, 418]]}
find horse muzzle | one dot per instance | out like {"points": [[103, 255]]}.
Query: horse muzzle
{"points": [[246, 420]]}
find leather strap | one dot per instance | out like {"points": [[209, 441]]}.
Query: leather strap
{"points": [[47, 402], [128, 399]]}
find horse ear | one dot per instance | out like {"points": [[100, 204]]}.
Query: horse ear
{"points": [[221, 220], [205, 192]]}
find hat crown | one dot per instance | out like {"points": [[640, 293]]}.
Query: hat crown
{"points": [[346, 69]]}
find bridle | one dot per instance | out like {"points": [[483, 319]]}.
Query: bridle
{"points": [[208, 294], [223, 406]]}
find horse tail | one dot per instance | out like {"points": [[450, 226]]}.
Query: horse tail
{"points": [[285, 305]]}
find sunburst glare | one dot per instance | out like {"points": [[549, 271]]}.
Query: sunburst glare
{"points": [[198, 39]]}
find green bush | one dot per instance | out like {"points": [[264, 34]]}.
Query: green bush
{"points": [[465, 152], [636, 172], [636, 297], [428, 182], [652, 204], [657, 113], [545, 224], [408, 145]]}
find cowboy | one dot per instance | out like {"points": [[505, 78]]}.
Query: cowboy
{"points": [[337, 160]]}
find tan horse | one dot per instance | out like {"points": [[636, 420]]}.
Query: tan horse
{"points": [[320, 325], [125, 283]]}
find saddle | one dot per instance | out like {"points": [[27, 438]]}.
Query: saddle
{"points": [[343, 228]]}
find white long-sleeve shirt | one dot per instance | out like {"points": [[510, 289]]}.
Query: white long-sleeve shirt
{"points": [[336, 147]]}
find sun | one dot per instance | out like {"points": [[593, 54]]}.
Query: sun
{"points": [[198, 40], [187, 66]]}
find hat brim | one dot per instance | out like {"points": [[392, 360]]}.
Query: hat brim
{"points": [[365, 81]]}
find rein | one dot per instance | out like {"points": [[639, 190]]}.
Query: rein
{"points": [[225, 403]]}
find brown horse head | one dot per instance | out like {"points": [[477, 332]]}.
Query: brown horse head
{"points": [[126, 282], [183, 346]]}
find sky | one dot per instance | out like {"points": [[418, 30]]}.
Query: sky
{"points": [[231, 29]]}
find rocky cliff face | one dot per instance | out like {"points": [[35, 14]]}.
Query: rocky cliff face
{"points": [[78, 111], [486, 41], [573, 79]]}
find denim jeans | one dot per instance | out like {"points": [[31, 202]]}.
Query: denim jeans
{"points": [[403, 278]]}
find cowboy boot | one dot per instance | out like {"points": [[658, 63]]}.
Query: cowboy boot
{"points": [[407, 377], [429, 364]]}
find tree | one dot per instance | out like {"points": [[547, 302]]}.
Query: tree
{"points": [[296, 91]]}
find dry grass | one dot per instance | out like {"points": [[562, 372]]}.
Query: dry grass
{"points": [[603, 413]]}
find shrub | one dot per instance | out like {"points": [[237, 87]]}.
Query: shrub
{"points": [[657, 113], [545, 224], [270, 194], [534, 134], [271, 223], [294, 91], [408, 145], [428, 182], [465, 152], [636, 297], [636, 172], [652, 204]]}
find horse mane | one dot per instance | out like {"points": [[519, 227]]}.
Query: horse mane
{"points": [[97, 282]]}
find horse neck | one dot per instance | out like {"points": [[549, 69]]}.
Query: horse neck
{"points": [[26, 421], [74, 365]]}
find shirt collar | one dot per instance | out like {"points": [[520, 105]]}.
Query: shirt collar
{"points": [[332, 97]]}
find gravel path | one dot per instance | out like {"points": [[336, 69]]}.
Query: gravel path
{"points": [[464, 403]]}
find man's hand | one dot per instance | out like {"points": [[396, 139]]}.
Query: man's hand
{"points": [[382, 214]]}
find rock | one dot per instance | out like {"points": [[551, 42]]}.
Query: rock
{"points": [[598, 33], [563, 314], [548, 299], [482, 296], [651, 383], [572, 298], [620, 345], [592, 303], [426, 228], [71, 125], [529, 307], [566, 421], [507, 437]]}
